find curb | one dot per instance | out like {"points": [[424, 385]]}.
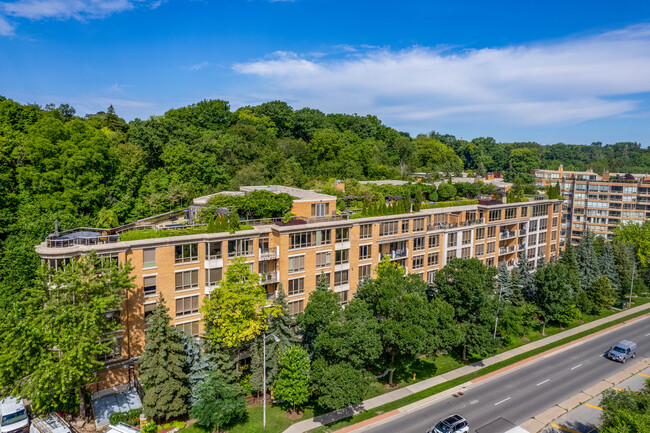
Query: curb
{"points": [[385, 417]]}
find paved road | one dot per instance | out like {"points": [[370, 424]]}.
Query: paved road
{"points": [[521, 394]]}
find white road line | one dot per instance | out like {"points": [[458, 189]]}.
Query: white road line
{"points": [[502, 401], [579, 365], [542, 383]]}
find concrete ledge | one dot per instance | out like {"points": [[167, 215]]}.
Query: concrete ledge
{"points": [[550, 414], [574, 401], [618, 377], [597, 388], [532, 425]]}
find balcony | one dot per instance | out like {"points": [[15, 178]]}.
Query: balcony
{"points": [[507, 234], [395, 254], [523, 231], [521, 247], [270, 277], [507, 250], [269, 253]]}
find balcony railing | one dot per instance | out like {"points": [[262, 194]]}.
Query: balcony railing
{"points": [[507, 234], [81, 236], [507, 250], [269, 253], [269, 277], [395, 254]]}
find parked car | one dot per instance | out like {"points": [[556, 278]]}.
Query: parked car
{"points": [[451, 424], [622, 351], [14, 416]]}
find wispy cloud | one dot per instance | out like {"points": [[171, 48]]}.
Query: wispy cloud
{"points": [[80, 10], [198, 66], [563, 81]]}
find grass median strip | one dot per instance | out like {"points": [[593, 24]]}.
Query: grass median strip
{"points": [[464, 379]]}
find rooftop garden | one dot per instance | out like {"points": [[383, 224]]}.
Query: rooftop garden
{"points": [[254, 205]]}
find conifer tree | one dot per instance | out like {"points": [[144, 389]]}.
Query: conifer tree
{"points": [[417, 202], [198, 364], [162, 368], [571, 264], [224, 359], [587, 261], [504, 280], [233, 221], [608, 266], [526, 278]]}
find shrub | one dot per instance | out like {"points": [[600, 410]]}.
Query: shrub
{"points": [[130, 417]]}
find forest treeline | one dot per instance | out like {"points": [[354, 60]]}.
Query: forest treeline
{"points": [[56, 165]]}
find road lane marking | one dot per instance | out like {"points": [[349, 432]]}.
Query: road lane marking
{"points": [[594, 407], [579, 365], [542, 383], [561, 427], [502, 401], [644, 375]]}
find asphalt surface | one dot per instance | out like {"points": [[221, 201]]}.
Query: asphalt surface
{"points": [[521, 394]]}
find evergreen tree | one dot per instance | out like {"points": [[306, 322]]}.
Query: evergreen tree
{"points": [[417, 201], [607, 265], [504, 280], [602, 295], [624, 260], [525, 277], [162, 368], [517, 297], [323, 307], [570, 262], [587, 261], [233, 221], [553, 294], [224, 359], [198, 364]]}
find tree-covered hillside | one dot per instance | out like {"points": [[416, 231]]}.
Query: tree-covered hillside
{"points": [[55, 165]]}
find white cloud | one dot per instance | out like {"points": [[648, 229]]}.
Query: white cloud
{"points": [[198, 66], [66, 9], [6, 28], [565, 81]]}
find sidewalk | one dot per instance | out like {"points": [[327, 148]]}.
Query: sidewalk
{"points": [[330, 417]]}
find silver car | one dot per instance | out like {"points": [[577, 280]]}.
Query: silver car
{"points": [[451, 424]]}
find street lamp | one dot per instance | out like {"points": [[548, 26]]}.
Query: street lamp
{"points": [[277, 340], [629, 304], [496, 320]]}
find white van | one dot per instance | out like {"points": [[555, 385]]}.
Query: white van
{"points": [[14, 416]]}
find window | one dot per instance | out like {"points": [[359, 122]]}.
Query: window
{"points": [[296, 286], [365, 231], [296, 307], [325, 277], [310, 239], [434, 241], [405, 226], [187, 280], [433, 259], [556, 208], [365, 252], [451, 255], [479, 250], [388, 228], [149, 258], [491, 247], [149, 308], [296, 264], [524, 212], [114, 351], [480, 234], [343, 234], [492, 232], [214, 250], [149, 283], [186, 306], [431, 277], [467, 237], [240, 247], [418, 262], [495, 215], [466, 252], [532, 226], [540, 210], [532, 240], [343, 297], [418, 225], [418, 244], [213, 276], [554, 221], [452, 240], [341, 278], [542, 238], [511, 213], [186, 253], [324, 259], [554, 235], [342, 257], [364, 272], [489, 261], [543, 224], [191, 328], [320, 209]]}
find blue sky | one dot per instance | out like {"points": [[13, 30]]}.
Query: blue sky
{"points": [[571, 71]]}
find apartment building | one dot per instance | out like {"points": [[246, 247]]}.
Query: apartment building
{"points": [[294, 256], [598, 203]]}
